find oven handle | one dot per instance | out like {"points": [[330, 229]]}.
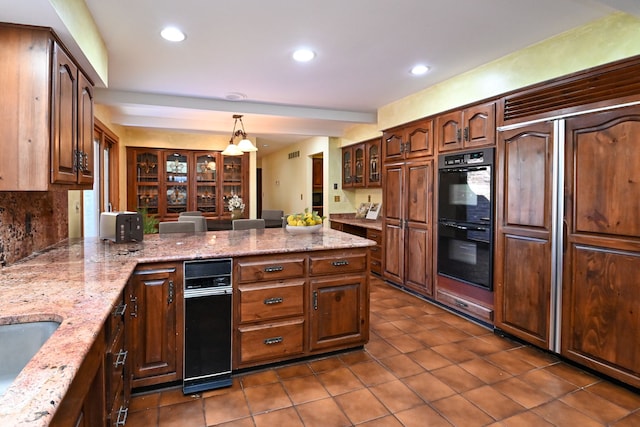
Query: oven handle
{"points": [[465, 169], [464, 227]]}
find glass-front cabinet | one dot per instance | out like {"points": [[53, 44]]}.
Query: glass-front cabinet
{"points": [[168, 182], [176, 181]]}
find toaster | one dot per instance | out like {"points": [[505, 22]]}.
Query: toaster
{"points": [[121, 227]]}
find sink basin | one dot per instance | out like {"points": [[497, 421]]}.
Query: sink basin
{"points": [[19, 343]]}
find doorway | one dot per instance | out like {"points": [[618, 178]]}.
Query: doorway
{"points": [[317, 191]]}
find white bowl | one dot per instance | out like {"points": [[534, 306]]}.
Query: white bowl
{"points": [[302, 229]]}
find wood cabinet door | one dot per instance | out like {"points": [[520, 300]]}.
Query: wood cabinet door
{"points": [[449, 131], [419, 140], [392, 144], [393, 223], [479, 125], [64, 133], [418, 246], [339, 312], [155, 324], [359, 165], [347, 167], [373, 169], [85, 130], [600, 297], [523, 245]]}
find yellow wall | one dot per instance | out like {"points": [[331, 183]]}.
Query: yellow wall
{"points": [[287, 183], [614, 37]]}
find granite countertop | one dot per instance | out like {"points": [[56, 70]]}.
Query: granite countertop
{"points": [[360, 222], [77, 283]]}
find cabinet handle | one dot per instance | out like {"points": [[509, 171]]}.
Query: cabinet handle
{"points": [[273, 269], [274, 300], [134, 301], [375, 235], [340, 263], [461, 304], [374, 249], [171, 292], [564, 235], [120, 310], [121, 358], [122, 417], [466, 134], [458, 135], [315, 300], [274, 340]]}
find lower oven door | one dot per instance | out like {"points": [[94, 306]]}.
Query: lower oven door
{"points": [[465, 253]]}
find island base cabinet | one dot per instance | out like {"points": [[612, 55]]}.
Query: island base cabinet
{"points": [[155, 324], [339, 314]]}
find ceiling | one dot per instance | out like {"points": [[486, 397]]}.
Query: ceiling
{"points": [[365, 49]]}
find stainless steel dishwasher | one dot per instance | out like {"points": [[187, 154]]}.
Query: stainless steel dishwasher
{"points": [[207, 325]]}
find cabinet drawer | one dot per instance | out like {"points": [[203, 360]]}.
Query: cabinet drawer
{"points": [[271, 300], [374, 235], [115, 360], [252, 269], [461, 304], [335, 264], [375, 266], [116, 317], [271, 341], [375, 252]]}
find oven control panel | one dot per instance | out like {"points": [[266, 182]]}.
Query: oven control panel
{"points": [[476, 157]]}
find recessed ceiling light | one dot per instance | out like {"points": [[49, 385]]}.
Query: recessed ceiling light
{"points": [[172, 34], [419, 70], [304, 55], [235, 96]]}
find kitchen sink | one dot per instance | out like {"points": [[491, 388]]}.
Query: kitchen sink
{"points": [[19, 342]]}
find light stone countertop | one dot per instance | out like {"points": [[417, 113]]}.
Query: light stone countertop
{"points": [[77, 283]]}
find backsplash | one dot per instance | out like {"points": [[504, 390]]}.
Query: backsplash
{"points": [[31, 222]]}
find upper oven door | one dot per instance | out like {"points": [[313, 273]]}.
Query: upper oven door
{"points": [[464, 194]]}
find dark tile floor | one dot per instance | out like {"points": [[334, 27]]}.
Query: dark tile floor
{"points": [[422, 367]]}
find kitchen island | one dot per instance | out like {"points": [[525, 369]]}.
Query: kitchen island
{"points": [[79, 282]]}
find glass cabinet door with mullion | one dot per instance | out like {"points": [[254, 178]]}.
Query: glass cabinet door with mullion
{"points": [[206, 183], [146, 168], [176, 182], [233, 182]]}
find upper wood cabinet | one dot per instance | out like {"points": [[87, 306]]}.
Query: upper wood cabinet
{"points": [[409, 141], [167, 182], [472, 127], [353, 166], [48, 137], [361, 165]]}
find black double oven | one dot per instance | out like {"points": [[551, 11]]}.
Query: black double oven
{"points": [[465, 216]]}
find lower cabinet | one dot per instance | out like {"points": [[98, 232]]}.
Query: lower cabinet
{"points": [[117, 385], [155, 323], [290, 306]]}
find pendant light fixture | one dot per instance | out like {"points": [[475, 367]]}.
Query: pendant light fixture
{"points": [[245, 145]]}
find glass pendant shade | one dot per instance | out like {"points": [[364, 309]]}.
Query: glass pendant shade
{"points": [[246, 145], [232, 150]]}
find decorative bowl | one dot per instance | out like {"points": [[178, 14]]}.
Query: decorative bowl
{"points": [[303, 229]]}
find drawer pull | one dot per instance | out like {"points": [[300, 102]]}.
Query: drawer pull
{"points": [[121, 358], [374, 235], [122, 416], [374, 249], [461, 304], [274, 300], [275, 340], [340, 263], [273, 269], [120, 310]]}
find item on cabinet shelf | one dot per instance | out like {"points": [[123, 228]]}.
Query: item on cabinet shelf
{"points": [[295, 229], [176, 196], [362, 210], [374, 211], [121, 227]]}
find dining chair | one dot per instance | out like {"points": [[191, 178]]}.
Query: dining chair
{"points": [[247, 224], [176, 227], [190, 213], [199, 221]]}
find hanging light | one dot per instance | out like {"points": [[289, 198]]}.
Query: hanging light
{"points": [[245, 145]]}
